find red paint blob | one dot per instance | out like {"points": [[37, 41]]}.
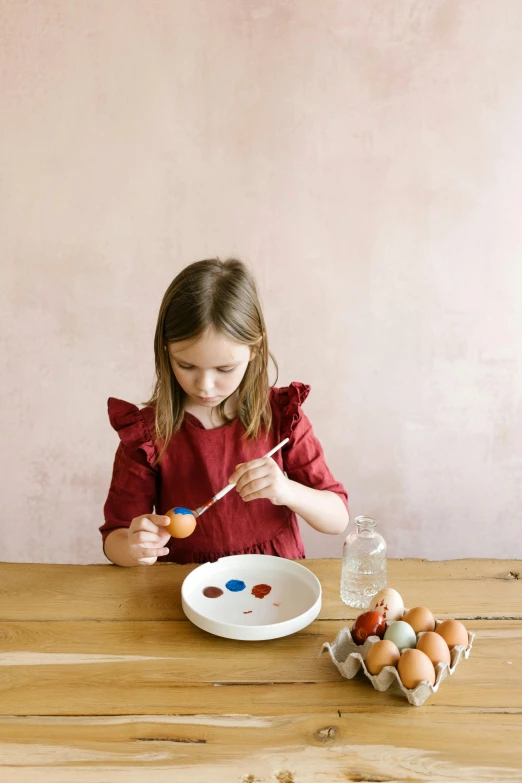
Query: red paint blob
{"points": [[261, 590], [212, 592]]}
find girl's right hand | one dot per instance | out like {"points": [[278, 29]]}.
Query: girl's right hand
{"points": [[147, 538]]}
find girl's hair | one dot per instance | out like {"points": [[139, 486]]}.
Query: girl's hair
{"points": [[222, 295]]}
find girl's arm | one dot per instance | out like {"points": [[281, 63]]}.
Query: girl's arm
{"points": [[321, 509]]}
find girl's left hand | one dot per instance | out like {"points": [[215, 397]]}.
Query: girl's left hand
{"points": [[261, 478]]}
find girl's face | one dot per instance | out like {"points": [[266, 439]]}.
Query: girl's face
{"points": [[209, 369]]}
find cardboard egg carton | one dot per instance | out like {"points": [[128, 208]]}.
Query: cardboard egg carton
{"points": [[349, 658]]}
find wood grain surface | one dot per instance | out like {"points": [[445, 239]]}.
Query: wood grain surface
{"points": [[103, 679]]}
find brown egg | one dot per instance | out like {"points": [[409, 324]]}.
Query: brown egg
{"points": [[420, 619], [453, 633], [434, 646], [368, 624], [414, 666], [381, 654], [182, 522]]}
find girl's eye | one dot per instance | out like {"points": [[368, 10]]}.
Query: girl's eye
{"points": [[189, 367]]}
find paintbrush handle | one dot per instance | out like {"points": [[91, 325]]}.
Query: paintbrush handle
{"points": [[276, 448], [222, 492]]}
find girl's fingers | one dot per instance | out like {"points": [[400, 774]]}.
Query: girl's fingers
{"points": [[145, 523], [251, 475], [149, 551], [149, 560], [152, 546], [257, 496], [161, 520], [255, 488], [244, 468], [141, 536]]}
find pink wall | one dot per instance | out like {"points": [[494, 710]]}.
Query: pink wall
{"points": [[363, 157]]}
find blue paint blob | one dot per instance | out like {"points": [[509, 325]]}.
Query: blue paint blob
{"points": [[235, 585], [181, 510]]}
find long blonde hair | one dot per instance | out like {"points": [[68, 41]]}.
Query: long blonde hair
{"points": [[222, 295]]}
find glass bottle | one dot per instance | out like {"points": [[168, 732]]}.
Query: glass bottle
{"points": [[364, 564]]}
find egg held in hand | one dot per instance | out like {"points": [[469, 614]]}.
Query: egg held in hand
{"points": [[381, 654], [182, 522], [368, 624], [414, 667]]}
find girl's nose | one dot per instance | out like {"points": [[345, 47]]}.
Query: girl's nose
{"points": [[205, 384]]}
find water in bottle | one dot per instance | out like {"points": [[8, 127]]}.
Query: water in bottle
{"points": [[364, 564]]}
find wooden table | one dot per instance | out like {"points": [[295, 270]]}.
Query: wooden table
{"points": [[103, 679]]}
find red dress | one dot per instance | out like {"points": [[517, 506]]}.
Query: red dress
{"points": [[197, 464]]}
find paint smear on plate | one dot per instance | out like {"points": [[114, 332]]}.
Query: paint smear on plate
{"points": [[277, 604], [235, 585], [212, 592], [261, 590], [249, 612]]}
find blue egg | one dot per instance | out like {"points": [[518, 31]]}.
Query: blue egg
{"points": [[401, 634]]}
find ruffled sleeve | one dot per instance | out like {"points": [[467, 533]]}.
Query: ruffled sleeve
{"points": [[290, 400], [129, 422], [133, 487], [303, 456]]}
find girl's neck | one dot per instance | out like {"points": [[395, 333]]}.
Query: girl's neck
{"points": [[209, 417]]}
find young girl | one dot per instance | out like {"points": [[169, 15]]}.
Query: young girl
{"points": [[210, 419]]}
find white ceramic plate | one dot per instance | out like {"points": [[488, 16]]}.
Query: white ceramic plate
{"points": [[293, 602]]}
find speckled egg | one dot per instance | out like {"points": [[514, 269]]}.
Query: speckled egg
{"points": [[389, 603]]}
